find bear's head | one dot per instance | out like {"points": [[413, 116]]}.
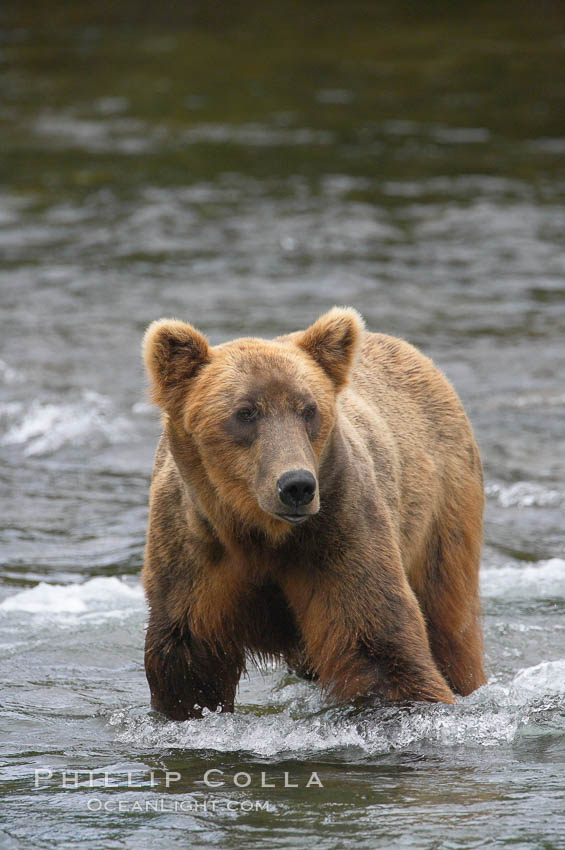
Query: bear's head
{"points": [[249, 421]]}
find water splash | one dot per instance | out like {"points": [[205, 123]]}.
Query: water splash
{"points": [[101, 597], [525, 494], [44, 428], [530, 581], [298, 722]]}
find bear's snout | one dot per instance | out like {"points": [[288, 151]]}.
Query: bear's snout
{"points": [[296, 488]]}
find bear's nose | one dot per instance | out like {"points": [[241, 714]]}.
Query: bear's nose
{"points": [[296, 488]]}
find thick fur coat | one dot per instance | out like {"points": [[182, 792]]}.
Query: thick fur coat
{"points": [[318, 498]]}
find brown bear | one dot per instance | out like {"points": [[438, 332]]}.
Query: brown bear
{"points": [[316, 498]]}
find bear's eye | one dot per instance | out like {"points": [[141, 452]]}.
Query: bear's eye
{"points": [[309, 412], [247, 414]]}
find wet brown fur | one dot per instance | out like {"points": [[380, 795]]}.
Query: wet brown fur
{"points": [[377, 592]]}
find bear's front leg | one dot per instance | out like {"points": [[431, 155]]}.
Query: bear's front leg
{"points": [[186, 675], [363, 630]]}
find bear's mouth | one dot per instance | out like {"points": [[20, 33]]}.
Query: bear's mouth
{"points": [[294, 518]]}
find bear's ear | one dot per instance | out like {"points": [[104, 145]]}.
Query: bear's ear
{"points": [[173, 352], [333, 341]]}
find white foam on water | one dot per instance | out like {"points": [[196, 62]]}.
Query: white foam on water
{"points": [[490, 717], [544, 580], [545, 679], [142, 408], [276, 717], [97, 598], [334, 96], [9, 410], [266, 736], [525, 494], [460, 135], [549, 399], [46, 427], [255, 134], [8, 375], [555, 145], [113, 133]]}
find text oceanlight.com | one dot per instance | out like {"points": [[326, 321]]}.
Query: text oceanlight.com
{"points": [[167, 804]]}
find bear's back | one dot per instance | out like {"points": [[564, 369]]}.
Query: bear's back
{"points": [[420, 443], [407, 389]]}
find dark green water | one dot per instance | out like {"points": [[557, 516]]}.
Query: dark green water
{"points": [[245, 168]]}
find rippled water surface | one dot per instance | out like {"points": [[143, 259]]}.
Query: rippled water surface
{"points": [[245, 169]]}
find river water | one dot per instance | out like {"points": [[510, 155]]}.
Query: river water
{"points": [[245, 169]]}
